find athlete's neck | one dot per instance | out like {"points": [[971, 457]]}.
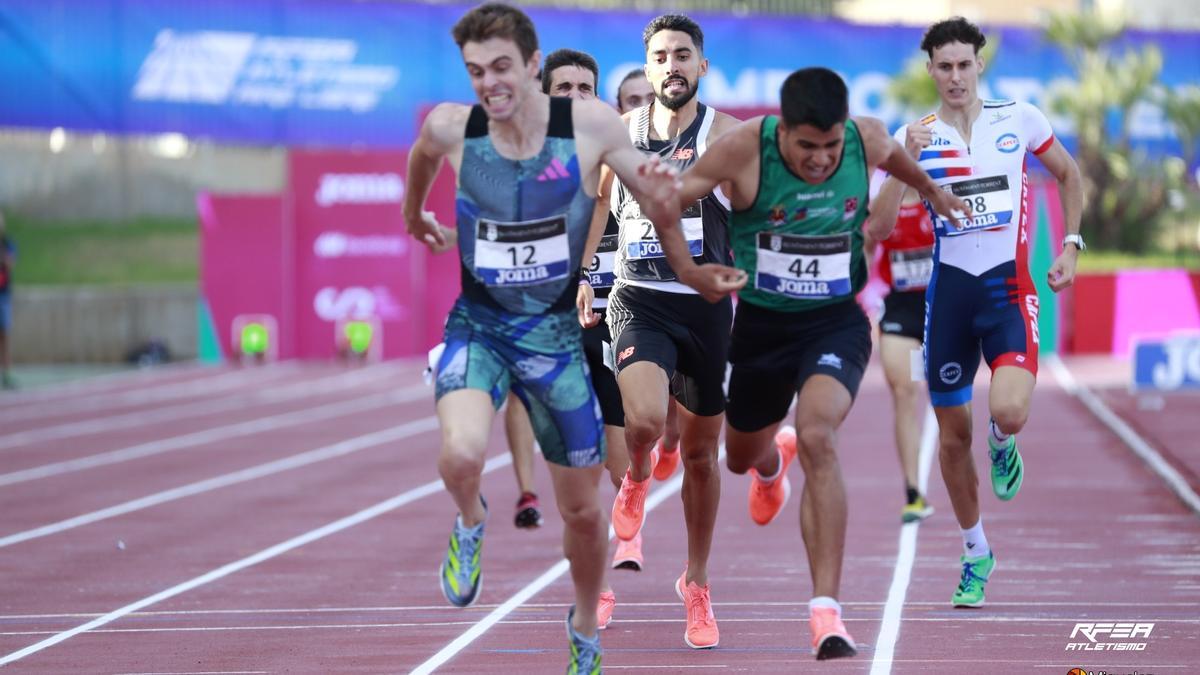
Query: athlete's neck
{"points": [[961, 118], [522, 135], [666, 124]]}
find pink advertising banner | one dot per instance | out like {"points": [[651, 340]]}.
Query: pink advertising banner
{"points": [[242, 266]]}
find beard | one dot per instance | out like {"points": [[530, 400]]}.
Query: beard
{"points": [[679, 100]]}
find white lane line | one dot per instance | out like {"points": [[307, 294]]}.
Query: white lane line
{"points": [[295, 390], [219, 380], [562, 605], [249, 427], [534, 587], [336, 526], [93, 384], [285, 464], [889, 630], [1140, 447]]}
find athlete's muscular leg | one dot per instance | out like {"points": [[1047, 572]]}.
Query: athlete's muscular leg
{"points": [[1009, 397], [519, 431], [746, 449], [698, 440], [585, 536], [895, 353], [465, 416], [958, 466], [644, 396], [823, 405], [617, 461]]}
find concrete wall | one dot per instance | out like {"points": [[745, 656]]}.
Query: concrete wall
{"points": [[53, 324]]}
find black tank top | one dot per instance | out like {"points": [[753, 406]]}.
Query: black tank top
{"points": [[705, 223]]}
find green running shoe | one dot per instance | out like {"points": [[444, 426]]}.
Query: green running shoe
{"points": [[975, 573], [460, 572], [1007, 468], [585, 652]]}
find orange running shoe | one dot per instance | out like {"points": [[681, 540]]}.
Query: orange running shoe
{"points": [[668, 461], [768, 499], [629, 508], [701, 630], [608, 600], [628, 555], [830, 638]]}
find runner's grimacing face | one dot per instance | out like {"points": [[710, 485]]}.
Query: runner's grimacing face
{"points": [[674, 67], [500, 77], [634, 93], [811, 153], [573, 81], [955, 68]]}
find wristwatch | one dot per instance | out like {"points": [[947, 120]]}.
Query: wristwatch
{"points": [[1076, 239]]}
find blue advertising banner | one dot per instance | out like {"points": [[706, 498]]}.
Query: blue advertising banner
{"points": [[1170, 364], [335, 73]]}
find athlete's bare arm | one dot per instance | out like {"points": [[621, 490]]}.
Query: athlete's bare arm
{"points": [[731, 161], [585, 295], [1062, 166], [441, 137], [723, 124], [884, 152]]}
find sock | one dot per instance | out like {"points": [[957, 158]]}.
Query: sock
{"points": [[998, 436], [473, 530], [911, 494], [975, 544], [824, 601], [778, 470]]}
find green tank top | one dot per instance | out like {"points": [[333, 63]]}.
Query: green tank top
{"points": [[801, 244]]}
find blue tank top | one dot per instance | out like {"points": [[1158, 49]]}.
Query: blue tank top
{"points": [[522, 224]]}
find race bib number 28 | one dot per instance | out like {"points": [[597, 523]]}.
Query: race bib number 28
{"points": [[521, 254]]}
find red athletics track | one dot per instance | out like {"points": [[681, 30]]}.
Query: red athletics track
{"points": [[244, 539]]}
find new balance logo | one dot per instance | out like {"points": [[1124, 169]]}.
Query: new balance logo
{"points": [[555, 171]]}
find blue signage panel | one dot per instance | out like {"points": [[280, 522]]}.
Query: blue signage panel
{"points": [[330, 72], [1172, 364]]}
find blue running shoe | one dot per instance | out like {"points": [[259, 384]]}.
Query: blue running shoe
{"points": [[585, 652], [460, 573], [1007, 468]]}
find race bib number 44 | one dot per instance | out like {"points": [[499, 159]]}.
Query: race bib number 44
{"points": [[521, 254], [642, 238], [989, 199], [803, 267]]}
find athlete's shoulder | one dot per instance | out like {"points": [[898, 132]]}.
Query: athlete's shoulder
{"points": [[723, 122], [593, 117], [446, 124]]}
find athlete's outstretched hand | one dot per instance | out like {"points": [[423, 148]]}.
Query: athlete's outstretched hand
{"points": [[713, 281], [659, 183], [948, 206], [428, 231], [1062, 272], [583, 304]]}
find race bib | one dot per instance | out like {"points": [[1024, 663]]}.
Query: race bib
{"points": [[803, 267], [989, 200], [601, 272], [911, 269], [647, 246], [521, 254]]}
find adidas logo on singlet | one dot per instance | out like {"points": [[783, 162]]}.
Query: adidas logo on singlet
{"points": [[555, 171]]}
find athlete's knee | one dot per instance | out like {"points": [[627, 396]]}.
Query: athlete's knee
{"points": [[701, 462], [461, 459], [817, 441], [1010, 416], [644, 425], [581, 515], [953, 442]]}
